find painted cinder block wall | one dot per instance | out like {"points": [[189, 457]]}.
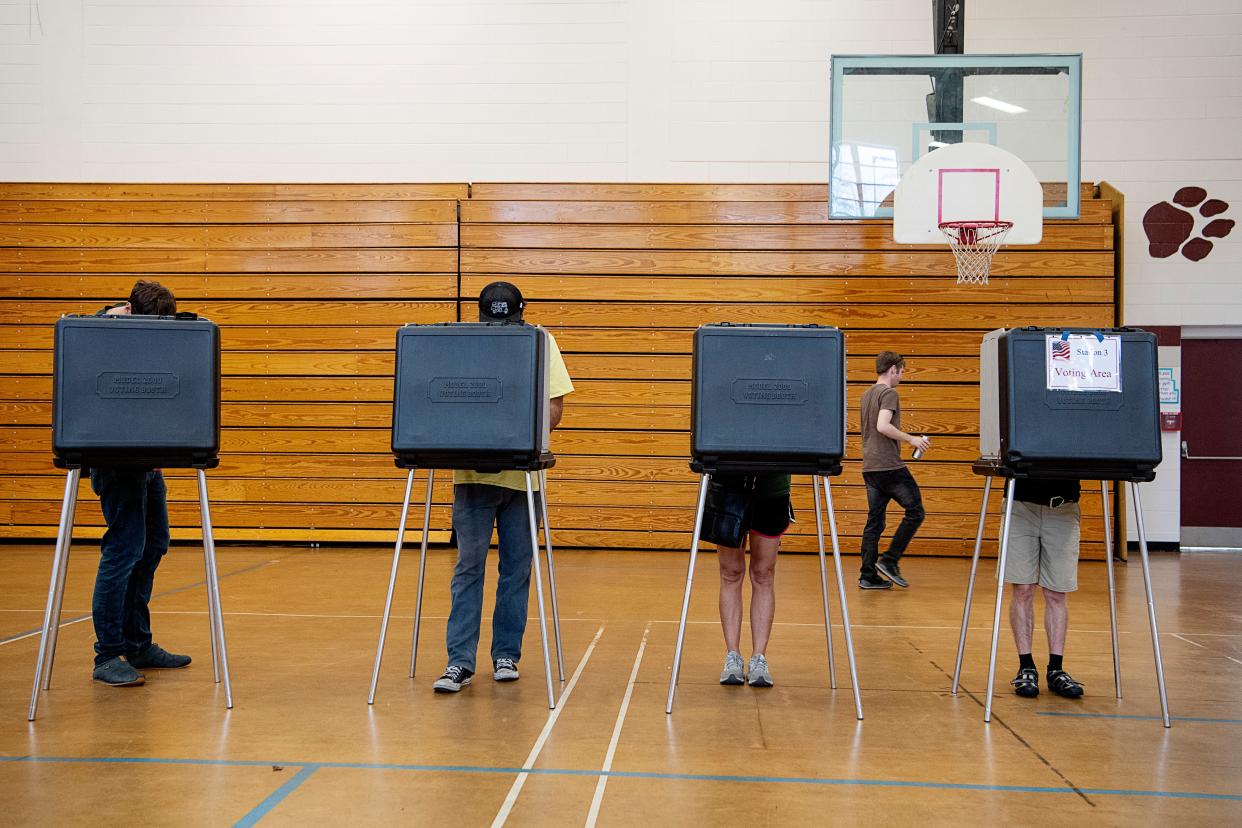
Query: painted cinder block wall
{"points": [[613, 90]]}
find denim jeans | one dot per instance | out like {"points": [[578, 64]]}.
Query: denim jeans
{"points": [[135, 507], [883, 486], [476, 508]]}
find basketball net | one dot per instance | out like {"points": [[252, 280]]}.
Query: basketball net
{"points": [[974, 243]]}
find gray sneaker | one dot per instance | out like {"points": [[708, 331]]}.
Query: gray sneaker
{"points": [[155, 657], [892, 572], [732, 672], [118, 672], [757, 670]]}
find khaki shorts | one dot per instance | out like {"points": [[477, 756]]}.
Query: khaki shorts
{"points": [[1043, 546]]}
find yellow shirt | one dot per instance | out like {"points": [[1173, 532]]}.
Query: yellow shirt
{"points": [[559, 384]]}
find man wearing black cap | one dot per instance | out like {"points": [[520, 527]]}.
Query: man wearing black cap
{"points": [[481, 501]]}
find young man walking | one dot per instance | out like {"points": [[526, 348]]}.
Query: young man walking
{"points": [[886, 476]]}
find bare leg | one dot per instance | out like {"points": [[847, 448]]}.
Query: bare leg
{"points": [[1022, 616], [763, 552], [732, 573], [1056, 620]]}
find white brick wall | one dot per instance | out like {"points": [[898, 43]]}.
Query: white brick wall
{"points": [[683, 90]]}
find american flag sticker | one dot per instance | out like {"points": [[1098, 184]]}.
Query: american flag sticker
{"points": [[1061, 350]]}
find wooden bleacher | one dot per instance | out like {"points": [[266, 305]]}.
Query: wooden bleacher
{"points": [[309, 283]]}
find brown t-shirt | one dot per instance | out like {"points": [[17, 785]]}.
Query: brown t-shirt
{"points": [[880, 453]]}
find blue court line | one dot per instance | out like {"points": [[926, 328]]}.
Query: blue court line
{"points": [[309, 767], [1144, 718], [275, 797]]}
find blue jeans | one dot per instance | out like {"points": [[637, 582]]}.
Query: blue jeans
{"points": [[476, 508], [135, 507], [883, 486]]}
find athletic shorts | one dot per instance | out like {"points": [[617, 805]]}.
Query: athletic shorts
{"points": [[1043, 546], [769, 516]]}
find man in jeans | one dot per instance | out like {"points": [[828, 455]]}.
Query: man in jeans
{"points": [[135, 507], [479, 501], [886, 476]]}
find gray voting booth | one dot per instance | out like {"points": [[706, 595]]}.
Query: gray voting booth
{"points": [[1067, 403], [770, 399], [472, 395], [138, 392]]}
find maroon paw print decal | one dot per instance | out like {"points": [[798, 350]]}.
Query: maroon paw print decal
{"points": [[1169, 228]]}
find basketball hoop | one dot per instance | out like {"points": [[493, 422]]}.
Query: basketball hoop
{"points": [[974, 243]]}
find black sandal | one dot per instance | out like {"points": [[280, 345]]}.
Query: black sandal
{"points": [[1026, 683], [1061, 683]]}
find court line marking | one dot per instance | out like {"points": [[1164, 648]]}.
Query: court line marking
{"points": [[598, 798], [80, 618], [511, 798], [275, 797], [1234, 660], [1199, 719], [691, 777], [1188, 641]]}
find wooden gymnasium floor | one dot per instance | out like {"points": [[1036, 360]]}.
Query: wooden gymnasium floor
{"points": [[302, 747]]}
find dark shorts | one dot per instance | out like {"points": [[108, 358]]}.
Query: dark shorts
{"points": [[769, 516]]}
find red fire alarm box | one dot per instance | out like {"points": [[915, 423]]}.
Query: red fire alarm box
{"points": [[1170, 421]]}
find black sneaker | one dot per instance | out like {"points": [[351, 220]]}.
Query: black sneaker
{"points": [[118, 672], [890, 571], [1061, 683], [453, 680], [155, 657], [874, 583], [1026, 683], [504, 669]]}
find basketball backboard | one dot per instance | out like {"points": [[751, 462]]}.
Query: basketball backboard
{"points": [[888, 111], [968, 182]]}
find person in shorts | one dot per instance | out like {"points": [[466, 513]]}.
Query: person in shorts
{"points": [[770, 516], [1043, 551]]}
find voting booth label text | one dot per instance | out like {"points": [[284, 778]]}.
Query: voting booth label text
{"points": [[1083, 362]]}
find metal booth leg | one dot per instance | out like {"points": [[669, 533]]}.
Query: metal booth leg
{"points": [[1151, 605], [1000, 595], [685, 601], [60, 587], [422, 570], [823, 581], [970, 585], [534, 552], [213, 588], [1112, 588], [547, 542], [845, 607], [392, 584], [55, 588]]}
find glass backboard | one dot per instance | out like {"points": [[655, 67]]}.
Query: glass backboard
{"points": [[890, 110]]}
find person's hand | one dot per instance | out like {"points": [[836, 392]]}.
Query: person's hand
{"points": [[920, 443]]}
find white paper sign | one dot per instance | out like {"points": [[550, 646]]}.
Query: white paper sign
{"points": [[1083, 362], [1168, 388]]}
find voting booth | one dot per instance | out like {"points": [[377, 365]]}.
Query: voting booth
{"points": [[769, 396], [135, 392], [472, 395], [1067, 403], [770, 399]]}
